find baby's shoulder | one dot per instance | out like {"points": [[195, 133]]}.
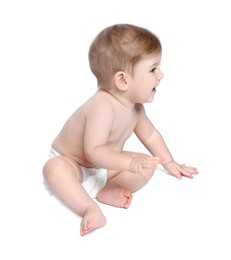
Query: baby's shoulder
{"points": [[96, 103], [99, 99]]}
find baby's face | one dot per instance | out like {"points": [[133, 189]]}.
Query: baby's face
{"points": [[146, 78]]}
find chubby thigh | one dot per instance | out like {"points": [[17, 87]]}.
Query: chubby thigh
{"points": [[61, 171]]}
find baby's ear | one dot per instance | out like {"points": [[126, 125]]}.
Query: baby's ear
{"points": [[121, 80]]}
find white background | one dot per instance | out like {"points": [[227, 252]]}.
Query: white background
{"points": [[44, 77]]}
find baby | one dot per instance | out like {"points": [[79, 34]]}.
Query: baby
{"points": [[87, 160]]}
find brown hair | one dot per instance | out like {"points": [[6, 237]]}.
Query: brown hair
{"points": [[119, 48]]}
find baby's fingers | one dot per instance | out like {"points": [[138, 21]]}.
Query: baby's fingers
{"points": [[188, 171], [156, 160], [151, 162], [149, 165]]}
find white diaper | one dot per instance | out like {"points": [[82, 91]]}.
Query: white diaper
{"points": [[93, 179]]}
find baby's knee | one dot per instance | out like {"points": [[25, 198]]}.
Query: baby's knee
{"points": [[149, 173], [50, 168]]}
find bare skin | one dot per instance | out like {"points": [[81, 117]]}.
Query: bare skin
{"points": [[115, 196], [93, 218], [94, 137]]}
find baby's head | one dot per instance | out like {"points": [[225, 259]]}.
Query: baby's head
{"points": [[119, 48]]}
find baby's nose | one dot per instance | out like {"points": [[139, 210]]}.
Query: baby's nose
{"points": [[161, 75]]}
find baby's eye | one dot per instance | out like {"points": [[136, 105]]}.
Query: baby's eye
{"points": [[153, 70]]}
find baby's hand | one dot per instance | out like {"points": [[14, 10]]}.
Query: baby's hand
{"points": [[180, 170], [142, 164]]}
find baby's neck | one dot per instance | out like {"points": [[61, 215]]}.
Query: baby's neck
{"points": [[120, 97]]}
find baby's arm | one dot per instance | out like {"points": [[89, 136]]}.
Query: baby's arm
{"points": [[156, 145], [154, 142]]}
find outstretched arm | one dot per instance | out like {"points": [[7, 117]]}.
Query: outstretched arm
{"points": [[154, 142]]}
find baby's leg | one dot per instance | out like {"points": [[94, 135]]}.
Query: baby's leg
{"points": [[64, 177], [120, 186]]}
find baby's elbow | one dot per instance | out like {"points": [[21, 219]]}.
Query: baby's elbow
{"points": [[88, 154], [97, 156], [91, 155]]}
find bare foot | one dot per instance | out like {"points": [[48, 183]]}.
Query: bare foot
{"points": [[93, 218], [116, 196]]}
